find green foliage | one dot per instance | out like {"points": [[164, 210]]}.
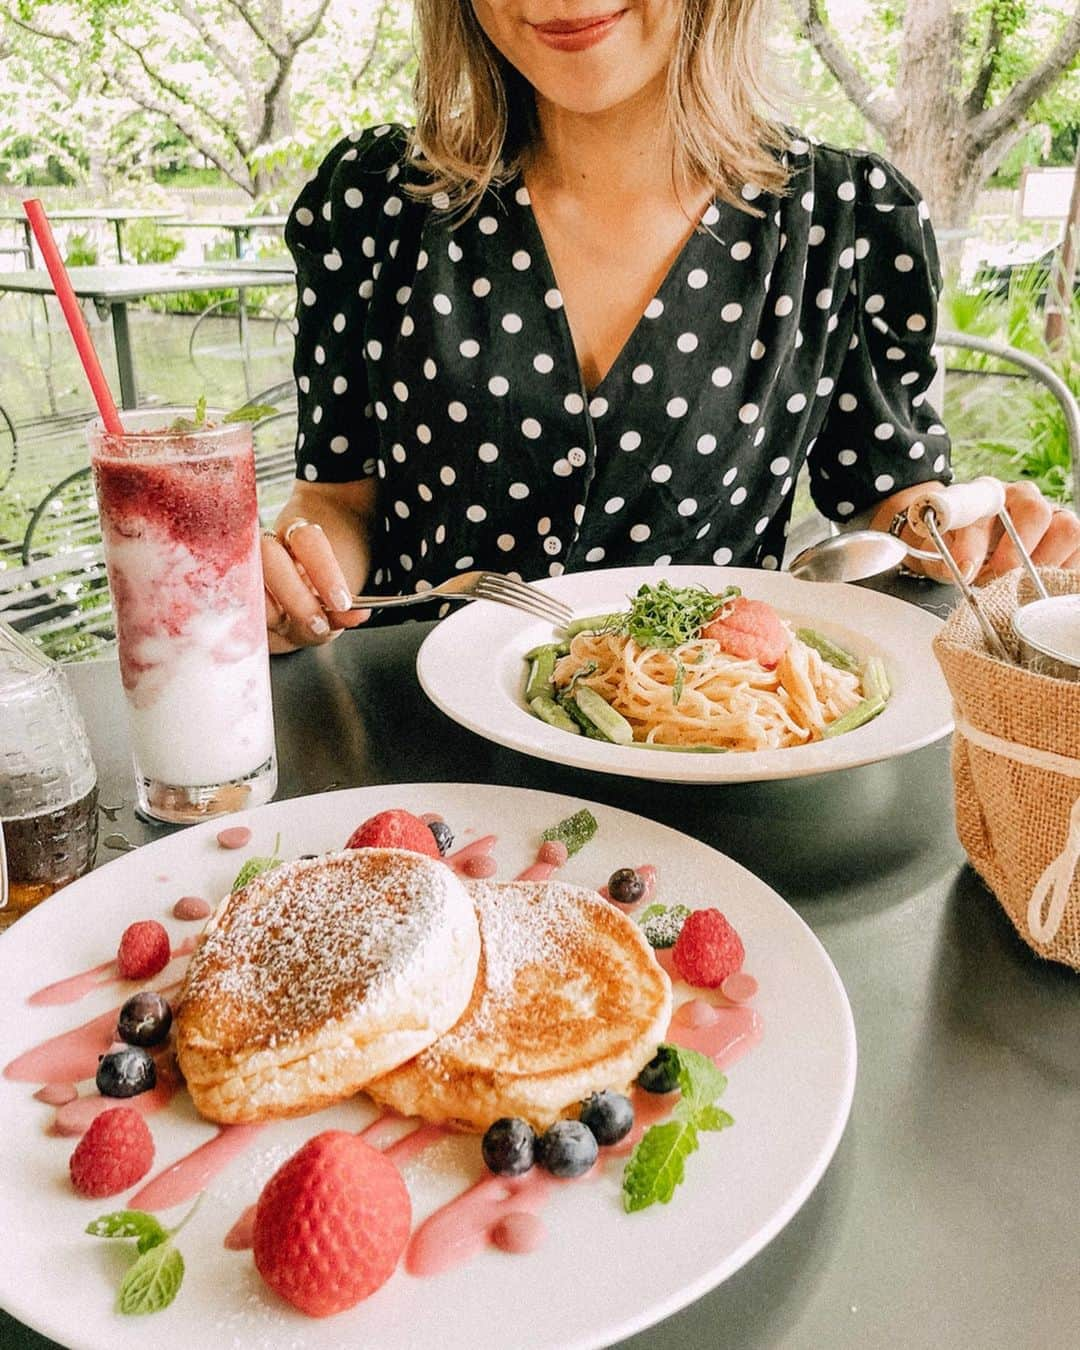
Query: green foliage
{"points": [[81, 250], [147, 242]]}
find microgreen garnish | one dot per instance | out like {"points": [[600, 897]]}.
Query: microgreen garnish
{"points": [[575, 831], [662, 925], [666, 616], [256, 866], [153, 1280], [658, 1163]]}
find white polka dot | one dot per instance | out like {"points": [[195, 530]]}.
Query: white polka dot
{"points": [[677, 407], [320, 356], [308, 296], [521, 196], [847, 458], [543, 364], [759, 435], [310, 471], [447, 476], [442, 303], [738, 496], [916, 323], [562, 468], [917, 450], [706, 444], [423, 434], [553, 298], [579, 513], [642, 374], [457, 411], [304, 384], [407, 326], [397, 453], [425, 494], [780, 466], [340, 384], [481, 287], [884, 481], [722, 557], [731, 312], [400, 509], [614, 504], [511, 323], [338, 323], [730, 475], [392, 206], [304, 217], [686, 342], [862, 248], [629, 440], [469, 348], [639, 533], [498, 385], [661, 473], [654, 308], [463, 563], [687, 506], [741, 251], [721, 377], [846, 191], [783, 306], [505, 542], [909, 377], [574, 403], [595, 555], [520, 260], [711, 216], [895, 353], [749, 413], [824, 386], [519, 491], [796, 403], [760, 526], [421, 260], [806, 201], [816, 235], [367, 246], [884, 431], [531, 428], [939, 463], [875, 304], [487, 224], [876, 178], [846, 258], [476, 514], [757, 350], [823, 299], [749, 191], [844, 508], [316, 412], [903, 262], [598, 406], [697, 279]]}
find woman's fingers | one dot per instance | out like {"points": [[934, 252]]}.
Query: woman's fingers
{"points": [[1031, 513], [306, 541], [302, 618], [1060, 542], [968, 546]]}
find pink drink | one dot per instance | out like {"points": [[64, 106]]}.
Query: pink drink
{"points": [[180, 523]]}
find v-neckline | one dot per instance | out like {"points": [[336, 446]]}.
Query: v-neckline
{"points": [[560, 316]]}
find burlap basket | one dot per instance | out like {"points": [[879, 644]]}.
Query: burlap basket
{"points": [[1016, 770]]}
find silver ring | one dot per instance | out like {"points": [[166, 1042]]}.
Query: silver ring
{"points": [[297, 524], [271, 534]]}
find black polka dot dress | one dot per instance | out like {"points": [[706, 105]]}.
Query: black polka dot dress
{"points": [[439, 358]]}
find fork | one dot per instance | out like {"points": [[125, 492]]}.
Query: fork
{"points": [[479, 586]]}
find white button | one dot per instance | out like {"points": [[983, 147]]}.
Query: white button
{"points": [[552, 544], [576, 456]]}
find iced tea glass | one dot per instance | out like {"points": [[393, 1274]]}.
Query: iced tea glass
{"points": [[179, 519]]}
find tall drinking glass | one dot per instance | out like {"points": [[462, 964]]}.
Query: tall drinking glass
{"points": [[180, 524]]}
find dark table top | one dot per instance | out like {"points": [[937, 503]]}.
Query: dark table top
{"points": [[950, 1215]]}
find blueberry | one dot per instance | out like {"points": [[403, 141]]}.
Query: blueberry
{"points": [[661, 1074], [507, 1146], [145, 1019], [608, 1115], [444, 835], [626, 887], [125, 1073], [567, 1149]]}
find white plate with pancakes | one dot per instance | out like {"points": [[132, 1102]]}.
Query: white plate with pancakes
{"points": [[743, 1185], [472, 668]]}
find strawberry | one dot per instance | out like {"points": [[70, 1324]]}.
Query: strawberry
{"points": [[707, 949], [114, 1153], [395, 829], [331, 1224], [144, 950]]}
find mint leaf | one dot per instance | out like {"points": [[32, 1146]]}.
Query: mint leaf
{"points": [[575, 831], [255, 867], [713, 1118], [152, 1282], [130, 1223], [250, 412], [658, 1164], [200, 411], [700, 1081]]}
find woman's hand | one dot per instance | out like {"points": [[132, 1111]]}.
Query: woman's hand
{"points": [[1051, 535], [314, 560]]}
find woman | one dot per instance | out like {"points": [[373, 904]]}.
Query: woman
{"points": [[598, 309]]}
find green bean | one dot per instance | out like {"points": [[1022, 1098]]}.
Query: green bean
{"points": [[593, 625], [855, 717], [559, 648], [875, 681], [608, 720], [550, 712], [683, 749], [828, 650], [540, 673]]}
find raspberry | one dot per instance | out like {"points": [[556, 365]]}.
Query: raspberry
{"points": [[114, 1153], [395, 829], [144, 950], [707, 949], [331, 1224]]}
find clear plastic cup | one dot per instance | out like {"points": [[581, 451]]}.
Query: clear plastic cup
{"points": [[179, 519], [48, 785]]}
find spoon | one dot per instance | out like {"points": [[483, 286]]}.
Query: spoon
{"points": [[850, 557]]}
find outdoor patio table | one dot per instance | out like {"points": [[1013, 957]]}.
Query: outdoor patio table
{"points": [[111, 288], [950, 1215], [241, 230], [115, 216]]}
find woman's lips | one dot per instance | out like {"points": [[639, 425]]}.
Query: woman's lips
{"points": [[575, 35]]}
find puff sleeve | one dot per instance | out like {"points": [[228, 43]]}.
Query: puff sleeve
{"points": [[880, 434]]}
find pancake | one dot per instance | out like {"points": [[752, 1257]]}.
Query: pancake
{"points": [[321, 975], [569, 1000]]}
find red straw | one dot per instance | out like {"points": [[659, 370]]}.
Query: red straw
{"points": [[39, 223]]}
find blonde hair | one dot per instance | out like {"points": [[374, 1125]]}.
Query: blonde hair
{"points": [[476, 115]]}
